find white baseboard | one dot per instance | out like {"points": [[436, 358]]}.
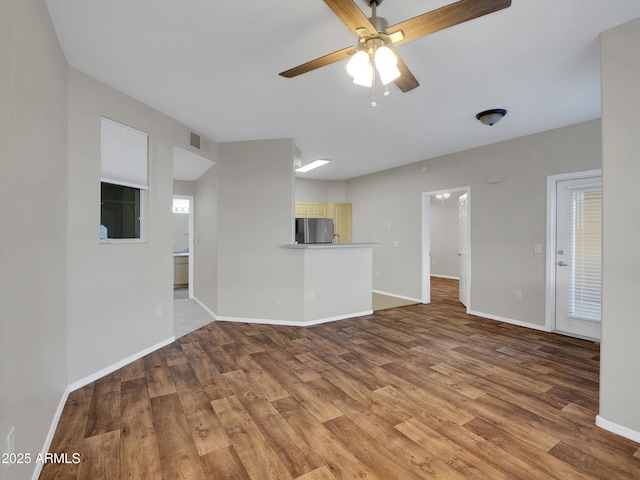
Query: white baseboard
{"points": [[286, 323], [205, 308], [403, 297], [86, 381], [508, 320], [617, 429], [289, 323], [445, 276], [125, 361], [52, 431]]}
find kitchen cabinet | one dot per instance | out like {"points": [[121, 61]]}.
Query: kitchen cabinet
{"points": [[180, 271], [341, 215], [311, 210]]}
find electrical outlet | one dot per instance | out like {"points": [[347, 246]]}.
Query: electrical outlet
{"points": [[311, 295], [159, 311], [11, 441], [518, 294]]}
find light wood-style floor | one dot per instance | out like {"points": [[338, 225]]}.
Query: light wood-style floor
{"points": [[423, 391]]}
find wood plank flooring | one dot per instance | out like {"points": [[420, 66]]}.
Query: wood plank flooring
{"points": [[417, 392]]}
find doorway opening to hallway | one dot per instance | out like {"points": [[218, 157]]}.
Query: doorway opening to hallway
{"points": [[446, 245]]}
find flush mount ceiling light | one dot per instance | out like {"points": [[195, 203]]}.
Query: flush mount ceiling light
{"points": [[310, 166], [443, 196], [491, 117]]}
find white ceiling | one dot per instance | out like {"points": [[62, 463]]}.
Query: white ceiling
{"points": [[214, 64]]}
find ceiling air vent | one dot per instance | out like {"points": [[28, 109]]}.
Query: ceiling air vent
{"points": [[194, 140]]}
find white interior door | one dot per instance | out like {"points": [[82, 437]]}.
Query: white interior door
{"points": [[463, 248], [578, 257]]}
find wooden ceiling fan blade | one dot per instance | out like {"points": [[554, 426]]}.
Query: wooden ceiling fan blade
{"points": [[445, 17], [406, 81], [319, 62], [351, 15]]}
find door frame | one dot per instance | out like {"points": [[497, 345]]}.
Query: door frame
{"points": [[191, 199], [426, 241], [552, 190]]}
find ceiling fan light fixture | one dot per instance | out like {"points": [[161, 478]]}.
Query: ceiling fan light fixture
{"points": [[386, 64], [359, 65], [388, 75], [491, 117], [375, 32], [365, 78]]}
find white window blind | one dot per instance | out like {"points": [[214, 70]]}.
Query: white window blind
{"points": [[585, 289], [123, 155]]}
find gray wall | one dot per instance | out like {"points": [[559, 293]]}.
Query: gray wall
{"points": [[120, 298], [507, 218], [205, 260], [620, 351], [320, 191], [184, 187], [33, 215], [255, 218], [444, 236]]}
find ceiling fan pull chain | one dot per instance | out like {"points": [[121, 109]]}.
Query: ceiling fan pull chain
{"points": [[374, 102]]}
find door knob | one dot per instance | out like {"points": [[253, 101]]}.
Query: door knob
{"points": [[562, 264]]}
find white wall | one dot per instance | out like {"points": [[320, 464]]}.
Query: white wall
{"points": [[507, 218], [33, 214], [337, 282], [620, 349], [444, 236], [120, 296], [255, 218]]}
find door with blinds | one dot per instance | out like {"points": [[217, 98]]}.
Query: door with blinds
{"points": [[578, 255]]}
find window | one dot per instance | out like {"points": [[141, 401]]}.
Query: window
{"points": [[120, 212], [124, 185], [180, 205], [585, 289]]}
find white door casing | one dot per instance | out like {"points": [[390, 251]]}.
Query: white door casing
{"points": [[463, 249], [426, 248], [426, 241], [573, 254]]}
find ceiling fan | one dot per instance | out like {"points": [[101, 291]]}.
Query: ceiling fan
{"points": [[374, 34]]}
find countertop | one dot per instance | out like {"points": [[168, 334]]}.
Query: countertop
{"points": [[307, 246]]}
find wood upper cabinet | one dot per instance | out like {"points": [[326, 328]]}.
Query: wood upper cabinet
{"points": [[341, 215], [311, 210]]}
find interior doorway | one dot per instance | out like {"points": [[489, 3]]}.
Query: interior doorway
{"points": [[574, 254], [455, 266], [183, 227]]}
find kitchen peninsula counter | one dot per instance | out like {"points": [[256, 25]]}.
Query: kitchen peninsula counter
{"points": [[329, 245], [338, 280]]}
